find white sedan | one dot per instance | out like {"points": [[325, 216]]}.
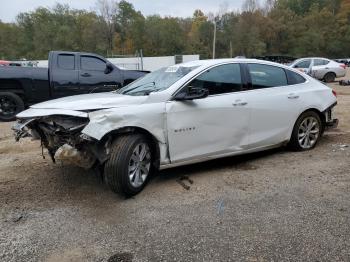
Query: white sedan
{"points": [[320, 68], [182, 114]]}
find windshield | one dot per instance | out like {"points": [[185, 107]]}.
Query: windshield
{"points": [[156, 81]]}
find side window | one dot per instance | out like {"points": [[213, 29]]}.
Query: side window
{"points": [[92, 63], [294, 78], [66, 62], [303, 64], [219, 80], [320, 62], [264, 76]]}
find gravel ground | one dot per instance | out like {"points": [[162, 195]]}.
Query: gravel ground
{"points": [[272, 206]]}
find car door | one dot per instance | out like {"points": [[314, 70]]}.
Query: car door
{"points": [[275, 102], [320, 68], [217, 124], [92, 76], [64, 75], [304, 65]]}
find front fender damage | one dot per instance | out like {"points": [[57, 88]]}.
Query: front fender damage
{"points": [[149, 118], [106, 121]]}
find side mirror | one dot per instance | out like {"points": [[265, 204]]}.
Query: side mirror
{"points": [[192, 93], [109, 68]]}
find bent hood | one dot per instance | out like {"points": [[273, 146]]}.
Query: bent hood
{"points": [[80, 104], [91, 102]]}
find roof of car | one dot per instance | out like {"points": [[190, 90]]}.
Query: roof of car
{"points": [[313, 58], [210, 62]]}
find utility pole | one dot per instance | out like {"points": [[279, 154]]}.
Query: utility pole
{"points": [[141, 55], [214, 40]]}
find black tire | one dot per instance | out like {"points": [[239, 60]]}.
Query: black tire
{"points": [[329, 77], [10, 105], [116, 169], [294, 143]]}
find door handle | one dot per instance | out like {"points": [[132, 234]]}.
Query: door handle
{"points": [[293, 96], [239, 103], [85, 75]]}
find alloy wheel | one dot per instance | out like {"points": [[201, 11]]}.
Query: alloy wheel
{"points": [[139, 165], [8, 107], [308, 133]]}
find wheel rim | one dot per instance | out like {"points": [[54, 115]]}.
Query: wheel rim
{"points": [[329, 78], [8, 107], [308, 133], [139, 165]]}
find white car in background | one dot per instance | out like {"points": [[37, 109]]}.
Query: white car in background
{"points": [[183, 114], [320, 68]]}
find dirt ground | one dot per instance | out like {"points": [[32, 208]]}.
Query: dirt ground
{"points": [[272, 206]]}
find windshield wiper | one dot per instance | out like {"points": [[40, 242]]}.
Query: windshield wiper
{"points": [[132, 89]]}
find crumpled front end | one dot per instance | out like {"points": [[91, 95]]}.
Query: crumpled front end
{"points": [[62, 137]]}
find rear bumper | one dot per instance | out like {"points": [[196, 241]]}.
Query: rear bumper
{"points": [[330, 120], [332, 124]]}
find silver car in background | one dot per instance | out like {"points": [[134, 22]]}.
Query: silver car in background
{"points": [[320, 68]]}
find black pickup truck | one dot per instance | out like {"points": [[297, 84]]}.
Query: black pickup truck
{"points": [[69, 73]]}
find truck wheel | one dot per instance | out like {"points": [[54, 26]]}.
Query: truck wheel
{"points": [[130, 164], [10, 105], [329, 77], [306, 132]]}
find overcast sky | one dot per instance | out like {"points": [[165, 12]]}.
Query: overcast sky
{"points": [[10, 8]]}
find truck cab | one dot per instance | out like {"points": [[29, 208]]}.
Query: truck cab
{"points": [[68, 73], [81, 73]]}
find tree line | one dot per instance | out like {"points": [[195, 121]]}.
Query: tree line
{"points": [[275, 27]]}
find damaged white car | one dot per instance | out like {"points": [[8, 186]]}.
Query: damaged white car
{"points": [[182, 114]]}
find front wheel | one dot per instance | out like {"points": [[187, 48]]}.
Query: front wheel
{"points": [[130, 164], [306, 132], [10, 105]]}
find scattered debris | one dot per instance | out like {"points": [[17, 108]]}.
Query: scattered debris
{"points": [[341, 147], [220, 207], [185, 178], [15, 217], [344, 82], [69, 154], [121, 257]]}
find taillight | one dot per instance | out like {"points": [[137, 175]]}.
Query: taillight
{"points": [[343, 66], [334, 93]]}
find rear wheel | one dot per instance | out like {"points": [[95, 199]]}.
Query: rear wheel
{"points": [[307, 131], [130, 164], [10, 105], [329, 77]]}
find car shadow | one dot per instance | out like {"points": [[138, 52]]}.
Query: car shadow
{"points": [[240, 161]]}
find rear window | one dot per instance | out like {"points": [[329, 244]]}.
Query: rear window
{"points": [[66, 62], [320, 62], [92, 63], [265, 76], [294, 78]]}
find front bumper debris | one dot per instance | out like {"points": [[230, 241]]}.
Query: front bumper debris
{"points": [[71, 155], [21, 130]]}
